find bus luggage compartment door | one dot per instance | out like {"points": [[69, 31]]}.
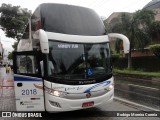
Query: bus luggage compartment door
{"points": [[29, 93]]}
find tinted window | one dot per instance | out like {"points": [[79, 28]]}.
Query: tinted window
{"points": [[70, 19], [80, 61], [26, 64]]}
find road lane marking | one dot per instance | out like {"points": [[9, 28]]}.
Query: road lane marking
{"points": [[138, 106], [144, 87]]}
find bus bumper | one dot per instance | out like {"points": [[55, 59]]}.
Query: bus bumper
{"points": [[57, 104]]}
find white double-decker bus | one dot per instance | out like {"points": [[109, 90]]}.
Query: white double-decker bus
{"points": [[63, 61]]}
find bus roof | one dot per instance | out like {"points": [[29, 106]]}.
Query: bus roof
{"points": [[69, 19]]}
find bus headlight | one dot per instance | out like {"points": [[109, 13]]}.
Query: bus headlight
{"points": [[55, 92], [110, 87]]}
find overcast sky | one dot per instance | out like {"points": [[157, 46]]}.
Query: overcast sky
{"points": [[102, 7]]}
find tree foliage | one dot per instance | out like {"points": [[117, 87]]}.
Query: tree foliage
{"points": [[10, 55], [154, 31], [13, 20], [141, 22], [136, 27]]}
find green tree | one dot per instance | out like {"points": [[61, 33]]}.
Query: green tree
{"points": [[154, 31], [140, 26], [139, 38], [13, 20], [119, 24], [136, 28], [10, 55]]}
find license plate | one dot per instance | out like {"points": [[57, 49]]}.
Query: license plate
{"points": [[88, 104]]}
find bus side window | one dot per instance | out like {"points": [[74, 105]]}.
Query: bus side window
{"points": [[26, 64]]}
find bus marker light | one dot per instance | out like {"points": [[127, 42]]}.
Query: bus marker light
{"points": [[110, 87], [88, 95]]}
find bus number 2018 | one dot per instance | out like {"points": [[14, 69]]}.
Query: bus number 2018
{"points": [[29, 92]]}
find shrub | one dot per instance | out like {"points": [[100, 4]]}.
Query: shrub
{"points": [[156, 49], [145, 63]]}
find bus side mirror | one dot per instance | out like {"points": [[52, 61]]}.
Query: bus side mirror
{"points": [[126, 43], [42, 36]]}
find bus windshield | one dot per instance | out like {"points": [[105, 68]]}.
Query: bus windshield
{"points": [[79, 61]]}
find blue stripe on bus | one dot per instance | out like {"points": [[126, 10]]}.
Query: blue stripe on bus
{"points": [[105, 83], [26, 79]]}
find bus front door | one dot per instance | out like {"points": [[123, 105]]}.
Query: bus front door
{"points": [[27, 82]]}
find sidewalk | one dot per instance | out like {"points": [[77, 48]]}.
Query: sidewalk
{"points": [[6, 83], [7, 98]]}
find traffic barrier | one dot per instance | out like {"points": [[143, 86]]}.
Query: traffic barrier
{"points": [[7, 87], [8, 83], [4, 87], [7, 91]]}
